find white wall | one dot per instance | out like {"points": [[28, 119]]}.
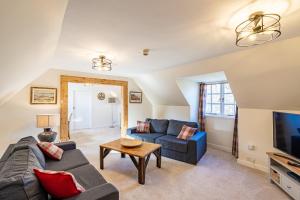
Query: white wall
{"points": [[190, 91], [171, 112], [256, 128], [220, 132], [102, 113], [105, 114], [17, 116]]}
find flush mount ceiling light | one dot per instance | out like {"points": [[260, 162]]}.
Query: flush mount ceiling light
{"points": [[102, 63], [258, 29]]}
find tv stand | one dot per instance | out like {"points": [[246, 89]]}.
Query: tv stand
{"points": [[285, 173], [293, 163]]}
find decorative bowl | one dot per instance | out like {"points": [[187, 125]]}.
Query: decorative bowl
{"points": [[130, 143]]}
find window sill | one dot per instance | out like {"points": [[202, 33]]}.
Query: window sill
{"points": [[220, 116]]}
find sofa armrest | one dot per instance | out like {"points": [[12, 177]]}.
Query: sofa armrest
{"points": [[197, 136], [70, 145], [197, 146], [102, 192], [131, 130]]}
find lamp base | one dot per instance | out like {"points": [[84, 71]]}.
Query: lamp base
{"points": [[47, 136]]}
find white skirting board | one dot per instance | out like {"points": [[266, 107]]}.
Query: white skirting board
{"points": [[253, 165], [220, 147]]}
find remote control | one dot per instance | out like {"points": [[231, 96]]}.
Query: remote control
{"points": [[293, 164]]}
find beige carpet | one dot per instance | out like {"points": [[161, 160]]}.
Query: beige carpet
{"points": [[216, 177]]}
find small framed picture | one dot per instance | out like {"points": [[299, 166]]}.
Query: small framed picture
{"points": [[43, 95], [135, 97]]}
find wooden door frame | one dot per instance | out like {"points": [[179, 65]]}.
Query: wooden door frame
{"points": [[64, 80]]}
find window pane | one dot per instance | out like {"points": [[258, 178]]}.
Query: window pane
{"points": [[229, 109], [216, 109], [216, 98], [208, 89], [208, 108], [228, 99], [227, 88], [216, 88], [208, 98]]}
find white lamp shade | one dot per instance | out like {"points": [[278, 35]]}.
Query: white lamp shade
{"points": [[46, 121]]}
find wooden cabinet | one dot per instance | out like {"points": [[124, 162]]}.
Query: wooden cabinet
{"points": [[279, 169]]}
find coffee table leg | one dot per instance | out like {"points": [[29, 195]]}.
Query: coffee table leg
{"points": [[123, 155], [101, 158], [142, 170], [158, 159]]}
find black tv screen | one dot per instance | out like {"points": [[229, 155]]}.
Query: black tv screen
{"points": [[286, 133]]}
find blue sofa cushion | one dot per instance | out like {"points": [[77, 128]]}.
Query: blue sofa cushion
{"points": [[158, 125], [172, 143], [147, 137], [175, 126]]}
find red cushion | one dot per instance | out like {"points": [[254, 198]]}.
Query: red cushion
{"points": [[58, 184], [143, 127], [51, 150]]}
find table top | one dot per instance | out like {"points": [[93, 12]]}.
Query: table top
{"points": [[140, 151]]}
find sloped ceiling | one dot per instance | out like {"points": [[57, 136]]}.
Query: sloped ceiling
{"points": [[29, 34], [176, 31], [265, 77]]}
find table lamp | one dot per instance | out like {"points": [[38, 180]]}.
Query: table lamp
{"points": [[47, 122]]}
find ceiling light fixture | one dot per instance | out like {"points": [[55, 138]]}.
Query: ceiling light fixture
{"points": [[102, 63], [258, 29], [146, 52]]}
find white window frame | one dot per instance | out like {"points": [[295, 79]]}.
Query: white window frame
{"points": [[222, 103]]}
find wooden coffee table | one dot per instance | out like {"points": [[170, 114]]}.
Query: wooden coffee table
{"points": [[142, 152]]}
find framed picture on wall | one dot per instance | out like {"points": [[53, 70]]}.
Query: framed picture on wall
{"points": [[135, 97], [43, 95]]}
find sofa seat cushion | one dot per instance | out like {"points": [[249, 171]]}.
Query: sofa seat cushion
{"points": [[87, 176], [175, 126], [17, 180], [172, 143], [70, 159], [148, 137], [158, 125]]}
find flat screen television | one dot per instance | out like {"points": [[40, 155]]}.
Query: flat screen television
{"points": [[286, 133]]}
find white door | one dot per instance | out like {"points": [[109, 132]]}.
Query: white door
{"points": [[82, 110]]}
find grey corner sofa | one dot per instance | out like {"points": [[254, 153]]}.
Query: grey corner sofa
{"points": [[17, 180], [164, 132]]}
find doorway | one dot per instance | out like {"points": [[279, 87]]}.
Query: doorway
{"points": [[79, 109], [83, 112]]}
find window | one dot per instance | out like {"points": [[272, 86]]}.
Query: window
{"points": [[220, 100]]}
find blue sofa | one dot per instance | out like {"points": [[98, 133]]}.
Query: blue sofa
{"points": [[164, 132]]}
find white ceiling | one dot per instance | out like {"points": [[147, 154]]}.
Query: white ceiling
{"points": [[208, 78], [176, 31], [68, 34]]}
